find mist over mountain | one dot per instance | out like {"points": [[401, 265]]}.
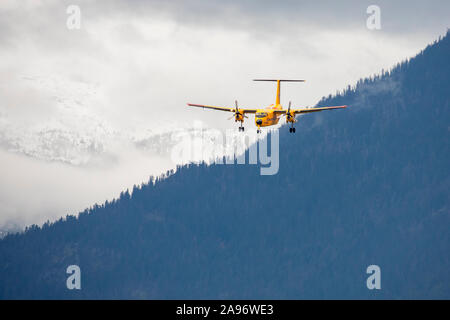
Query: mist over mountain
{"points": [[363, 186], [77, 134]]}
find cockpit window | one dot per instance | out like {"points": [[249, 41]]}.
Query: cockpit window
{"points": [[261, 115]]}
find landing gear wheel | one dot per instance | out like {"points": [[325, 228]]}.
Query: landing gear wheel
{"points": [[293, 130]]}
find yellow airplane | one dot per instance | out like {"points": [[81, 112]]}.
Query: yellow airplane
{"points": [[270, 115]]}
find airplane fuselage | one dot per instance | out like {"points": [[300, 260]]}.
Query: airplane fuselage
{"points": [[267, 117]]}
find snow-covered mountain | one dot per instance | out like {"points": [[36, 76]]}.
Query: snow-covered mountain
{"points": [[75, 133], [68, 130]]}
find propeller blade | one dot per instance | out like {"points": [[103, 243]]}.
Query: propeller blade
{"points": [[236, 111], [288, 113]]}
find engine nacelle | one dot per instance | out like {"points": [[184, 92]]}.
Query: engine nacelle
{"points": [[290, 117], [238, 115]]}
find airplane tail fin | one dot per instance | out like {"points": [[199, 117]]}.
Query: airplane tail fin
{"points": [[278, 81]]}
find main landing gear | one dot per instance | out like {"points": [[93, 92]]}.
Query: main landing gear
{"points": [[241, 127]]}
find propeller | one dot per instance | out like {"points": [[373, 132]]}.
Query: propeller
{"points": [[288, 113], [237, 112]]}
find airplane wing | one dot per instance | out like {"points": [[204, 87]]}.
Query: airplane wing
{"points": [[222, 108], [308, 110]]}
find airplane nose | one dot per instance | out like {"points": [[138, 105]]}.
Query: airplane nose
{"points": [[259, 122]]}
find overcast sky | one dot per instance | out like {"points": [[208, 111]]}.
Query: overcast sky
{"points": [[133, 65]]}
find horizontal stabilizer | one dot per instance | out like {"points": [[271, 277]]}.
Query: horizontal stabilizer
{"points": [[281, 80]]}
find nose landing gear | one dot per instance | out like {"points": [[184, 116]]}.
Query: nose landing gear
{"points": [[292, 130]]}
